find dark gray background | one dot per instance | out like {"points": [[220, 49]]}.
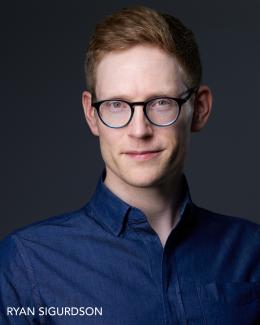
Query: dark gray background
{"points": [[49, 161]]}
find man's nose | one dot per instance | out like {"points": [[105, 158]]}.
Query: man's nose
{"points": [[139, 126]]}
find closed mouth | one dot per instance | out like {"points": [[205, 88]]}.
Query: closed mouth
{"points": [[142, 155]]}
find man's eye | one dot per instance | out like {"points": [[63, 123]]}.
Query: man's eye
{"points": [[161, 103], [116, 106]]}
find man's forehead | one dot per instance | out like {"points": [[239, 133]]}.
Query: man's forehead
{"points": [[141, 69]]}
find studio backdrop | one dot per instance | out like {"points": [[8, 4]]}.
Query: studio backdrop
{"points": [[50, 162]]}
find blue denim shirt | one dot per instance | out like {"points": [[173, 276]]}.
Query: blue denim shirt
{"points": [[104, 264]]}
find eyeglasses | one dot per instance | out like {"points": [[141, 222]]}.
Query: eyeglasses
{"points": [[163, 111]]}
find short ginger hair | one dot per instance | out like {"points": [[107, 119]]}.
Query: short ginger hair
{"points": [[140, 26]]}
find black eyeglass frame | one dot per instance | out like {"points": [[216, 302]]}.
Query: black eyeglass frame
{"points": [[179, 101]]}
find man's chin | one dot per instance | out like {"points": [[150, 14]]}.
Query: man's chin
{"points": [[142, 180]]}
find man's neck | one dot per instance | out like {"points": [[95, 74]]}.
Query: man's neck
{"points": [[160, 204]]}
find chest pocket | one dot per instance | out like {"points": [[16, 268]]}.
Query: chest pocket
{"points": [[230, 303]]}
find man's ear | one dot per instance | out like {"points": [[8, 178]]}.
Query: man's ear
{"points": [[202, 108], [89, 112]]}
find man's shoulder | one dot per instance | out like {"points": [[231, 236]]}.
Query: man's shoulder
{"points": [[54, 226], [224, 220], [226, 227]]}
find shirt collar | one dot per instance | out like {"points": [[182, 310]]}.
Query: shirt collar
{"points": [[112, 212]]}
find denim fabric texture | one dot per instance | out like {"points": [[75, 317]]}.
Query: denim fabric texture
{"points": [[106, 256]]}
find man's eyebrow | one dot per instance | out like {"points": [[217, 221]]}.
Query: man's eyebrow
{"points": [[150, 96]]}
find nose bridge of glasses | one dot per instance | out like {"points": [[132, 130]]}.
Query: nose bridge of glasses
{"points": [[134, 104], [139, 114]]}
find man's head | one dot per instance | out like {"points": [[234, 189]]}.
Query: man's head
{"points": [[136, 55], [144, 26]]}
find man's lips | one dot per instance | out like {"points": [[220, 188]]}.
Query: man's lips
{"points": [[142, 155]]}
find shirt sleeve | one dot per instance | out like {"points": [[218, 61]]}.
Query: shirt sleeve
{"points": [[16, 283]]}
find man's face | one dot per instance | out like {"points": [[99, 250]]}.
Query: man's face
{"points": [[138, 74]]}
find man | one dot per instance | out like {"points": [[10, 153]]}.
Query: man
{"points": [[140, 251]]}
